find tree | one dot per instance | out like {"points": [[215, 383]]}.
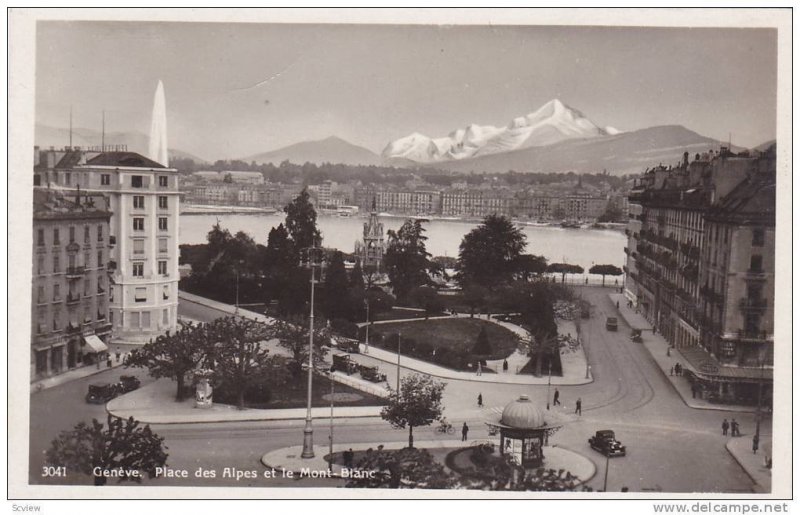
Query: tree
{"points": [[357, 277], [605, 270], [172, 355], [482, 346], [407, 262], [612, 213], [529, 265], [501, 473], [379, 301], [489, 254], [238, 353], [541, 346], [564, 269], [418, 403], [301, 221], [122, 445], [426, 298], [335, 289], [292, 335], [475, 297], [404, 468], [446, 261]]}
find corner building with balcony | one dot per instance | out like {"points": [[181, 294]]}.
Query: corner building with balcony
{"points": [[700, 267], [69, 305], [144, 202]]}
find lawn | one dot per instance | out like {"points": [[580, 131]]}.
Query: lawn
{"points": [[294, 395], [448, 342], [397, 313]]}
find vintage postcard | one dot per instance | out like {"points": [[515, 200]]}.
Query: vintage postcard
{"points": [[463, 254]]}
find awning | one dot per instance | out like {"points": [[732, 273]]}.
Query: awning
{"points": [[95, 343]]}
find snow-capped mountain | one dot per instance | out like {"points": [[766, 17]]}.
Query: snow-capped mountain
{"points": [[552, 123]]}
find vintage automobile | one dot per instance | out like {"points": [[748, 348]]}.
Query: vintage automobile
{"points": [[606, 443], [101, 393], [344, 363], [371, 374], [348, 346], [611, 323], [128, 384]]}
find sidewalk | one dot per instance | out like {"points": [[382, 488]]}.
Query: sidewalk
{"points": [[753, 463], [74, 374], [155, 404], [657, 346]]}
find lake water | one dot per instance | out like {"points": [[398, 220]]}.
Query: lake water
{"points": [[583, 247]]}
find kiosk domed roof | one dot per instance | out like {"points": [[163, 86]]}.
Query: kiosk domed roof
{"points": [[523, 414]]}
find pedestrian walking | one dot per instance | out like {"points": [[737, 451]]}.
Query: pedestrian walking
{"points": [[694, 391], [480, 400], [678, 369], [755, 443], [464, 431], [578, 406], [117, 353], [617, 304], [672, 370], [480, 370], [725, 426], [505, 365], [555, 398], [735, 428], [348, 458]]}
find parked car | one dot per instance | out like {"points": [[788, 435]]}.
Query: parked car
{"points": [[101, 393], [611, 323], [606, 443], [348, 346], [371, 374], [128, 384], [344, 363]]}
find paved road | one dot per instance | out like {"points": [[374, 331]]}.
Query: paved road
{"points": [[671, 447]]}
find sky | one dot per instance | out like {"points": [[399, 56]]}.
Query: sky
{"points": [[234, 89]]}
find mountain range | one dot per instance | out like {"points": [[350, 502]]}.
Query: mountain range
{"points": [[46, 137], [328, 150]]}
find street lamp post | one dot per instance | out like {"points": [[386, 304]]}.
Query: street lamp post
{"points": [[605, 478], [398, 363], [308, 431], [549, 375], [330, 437], [366, 336]]}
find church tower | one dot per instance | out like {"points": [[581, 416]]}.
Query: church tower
{"points": [[373, 247]]}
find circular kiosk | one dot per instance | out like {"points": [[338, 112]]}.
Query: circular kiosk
{"points": [[524, 431]]}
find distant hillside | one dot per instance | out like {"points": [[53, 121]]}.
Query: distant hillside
{"points": [[329, 150], [57, 137], [764, 146], [619, 154]]}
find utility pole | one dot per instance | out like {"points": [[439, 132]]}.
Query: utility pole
{"points": [[308, 431], [330, 437], [549, 375], [398, 363], [366, 337]]}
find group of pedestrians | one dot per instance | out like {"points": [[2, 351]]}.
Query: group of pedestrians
{"points": [[676, 369], [733, 425], [557, 402]]}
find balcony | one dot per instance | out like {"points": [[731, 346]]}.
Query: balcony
{"points": [[750, 334], [73, 299], [100, 291], [112, 265], [75, 272], [751, 305], [756, 275]]}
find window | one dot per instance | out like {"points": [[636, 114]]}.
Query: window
{"points": [[140, 295], [163, 245], [56, 237], [56, 292], [138, 269], [86, 237], [138, 246], [40, 294], [162, 268], [105, 179], [163, 202], [87, 260], [71, 261], [100, 262], [163, 181], [755, 263], [71, 233], [99, 233], [162, 223], [752, 324], [758, 237], [145, 320], [136, 181], [40, 265], [56, 319], [40, 237], [138, 202], [37, 180], [165, 316], [138, 224], [135, 319], [166, 292], [56, 264], [68, 178]]}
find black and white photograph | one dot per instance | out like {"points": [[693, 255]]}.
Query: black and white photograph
{"points": [[407, 253]]}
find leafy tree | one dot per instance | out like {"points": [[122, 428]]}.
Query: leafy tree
{"points": [[501, 473], [292, 335], [379, 301], [475, 297], [238, 353], [426, 298], [605, 270], [489, 254], [541, 347], [482, 346], [528, 265], [418, 403], [301, 221], [335, 289], [612, 213], [564, 269], [357, 277], [122, 444], [446, 261], [406, 261], [172, 355], [404, 468]]}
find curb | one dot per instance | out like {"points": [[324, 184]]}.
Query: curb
{"points": [[94, 372], [228, 421], [758, 486]]}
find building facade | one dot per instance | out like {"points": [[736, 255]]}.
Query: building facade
{"points": [[700, 265], [69, 306]]}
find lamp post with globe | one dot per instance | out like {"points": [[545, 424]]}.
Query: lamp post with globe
{"points": [[311, 257]]}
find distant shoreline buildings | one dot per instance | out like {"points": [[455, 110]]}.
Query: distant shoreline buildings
{"points": [[700, 267]]}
